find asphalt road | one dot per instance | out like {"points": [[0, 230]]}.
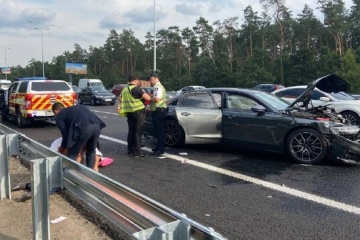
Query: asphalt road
{"points": [[241, 194]]}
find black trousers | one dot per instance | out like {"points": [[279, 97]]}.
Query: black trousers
{"points": [[88, 137], [158, 117], [135, 122]]}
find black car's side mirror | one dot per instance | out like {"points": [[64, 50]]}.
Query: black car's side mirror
{"points": [[258, 109]]}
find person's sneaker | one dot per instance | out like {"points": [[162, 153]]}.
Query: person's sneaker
{"points": [[26, 196], [139, 155], [130, 153], [157, 152]]}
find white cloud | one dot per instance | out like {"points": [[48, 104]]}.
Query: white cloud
{"points": [[187, 9]]}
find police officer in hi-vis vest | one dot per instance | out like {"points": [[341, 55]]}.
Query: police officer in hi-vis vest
{"points": [[133, 108], [158, 111]]}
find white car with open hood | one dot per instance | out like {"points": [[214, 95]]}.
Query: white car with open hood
{"points": [[333, 94]]}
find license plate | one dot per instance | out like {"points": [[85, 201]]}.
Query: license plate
{"points": [[107, 100]]}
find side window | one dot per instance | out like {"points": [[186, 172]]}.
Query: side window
{"points": [[239, 102], [185, 89], [317, 95], [197, 99], [14, 87], [266, 88], [217, 97], [23, 86], [290, 93]]}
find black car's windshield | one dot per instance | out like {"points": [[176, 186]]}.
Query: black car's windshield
{"points": [[99, 89], [274, 101]]}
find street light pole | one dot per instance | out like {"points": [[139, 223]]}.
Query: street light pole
{"points": [[154, 37], [6, 48], [42, 54], [42, 46]]}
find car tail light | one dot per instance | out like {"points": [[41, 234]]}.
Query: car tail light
{"points": [[75, 100], [28, 104]]}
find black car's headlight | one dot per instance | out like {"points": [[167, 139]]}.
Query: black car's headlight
{"points": [[345, 130]]}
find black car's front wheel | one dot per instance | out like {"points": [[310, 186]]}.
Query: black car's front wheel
{"points": [[306, 146], [174, 134]]}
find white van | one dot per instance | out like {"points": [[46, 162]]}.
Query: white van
{"points": [[85, 82]]}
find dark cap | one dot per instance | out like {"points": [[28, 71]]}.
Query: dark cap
{"points": [[152, 74]]}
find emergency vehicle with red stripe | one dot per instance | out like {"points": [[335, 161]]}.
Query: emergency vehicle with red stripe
{"points": [[30, 99]]}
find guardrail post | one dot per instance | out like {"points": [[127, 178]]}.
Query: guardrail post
{"points": [[4, 170], [177, 230], [8, 147], [153, 233], [40, 199]]}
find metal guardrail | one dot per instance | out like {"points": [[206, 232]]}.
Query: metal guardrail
{"points": [[134, 213]]}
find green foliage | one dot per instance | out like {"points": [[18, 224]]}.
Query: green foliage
{"points": [[270, 47], [351, 70]]}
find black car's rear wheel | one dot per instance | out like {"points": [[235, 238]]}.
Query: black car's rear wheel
{"points": [[306, 146], [174, 134]]}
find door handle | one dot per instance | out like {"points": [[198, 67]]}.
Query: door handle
{"points": [[185, 114]]}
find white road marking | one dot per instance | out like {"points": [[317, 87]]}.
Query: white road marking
{"points": [[106, 112], [307, 196]]}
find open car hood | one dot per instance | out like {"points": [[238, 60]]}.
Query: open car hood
{"points": [[329, 83]]}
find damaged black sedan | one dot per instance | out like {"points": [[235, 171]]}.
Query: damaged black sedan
{"points": [[253, 119]]}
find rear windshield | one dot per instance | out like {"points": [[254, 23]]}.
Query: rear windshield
{"points": [[49, 86]]}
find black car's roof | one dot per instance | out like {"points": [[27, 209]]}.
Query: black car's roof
{"points": [[229, 89]]}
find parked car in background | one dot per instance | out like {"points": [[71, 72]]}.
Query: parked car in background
{"points": [[96, 95], [331, 96], [357, 96], [188, 88], [255, 119], [117, 88], [76, 89], [85, 82], [30, 99], [268, 87], [170, 94]]}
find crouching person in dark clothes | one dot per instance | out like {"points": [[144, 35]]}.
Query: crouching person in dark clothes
{"points": [[79, 127]]}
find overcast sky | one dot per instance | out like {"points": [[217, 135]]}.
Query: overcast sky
{"points": [[88, 22]]}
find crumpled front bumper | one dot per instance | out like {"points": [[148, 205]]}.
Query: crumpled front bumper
{"points": [[345, 150]]}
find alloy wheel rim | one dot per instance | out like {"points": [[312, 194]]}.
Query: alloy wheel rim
{"points": [[172, 134], [306, 146], [351, 119]]}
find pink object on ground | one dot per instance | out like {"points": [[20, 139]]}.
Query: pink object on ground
{"points": [[105, 161]]}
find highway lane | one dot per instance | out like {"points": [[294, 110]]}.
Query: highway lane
{"points": [[241, 194]]}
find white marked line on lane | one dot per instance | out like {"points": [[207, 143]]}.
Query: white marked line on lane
{"points": [[300, 194], [111, 113]]}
